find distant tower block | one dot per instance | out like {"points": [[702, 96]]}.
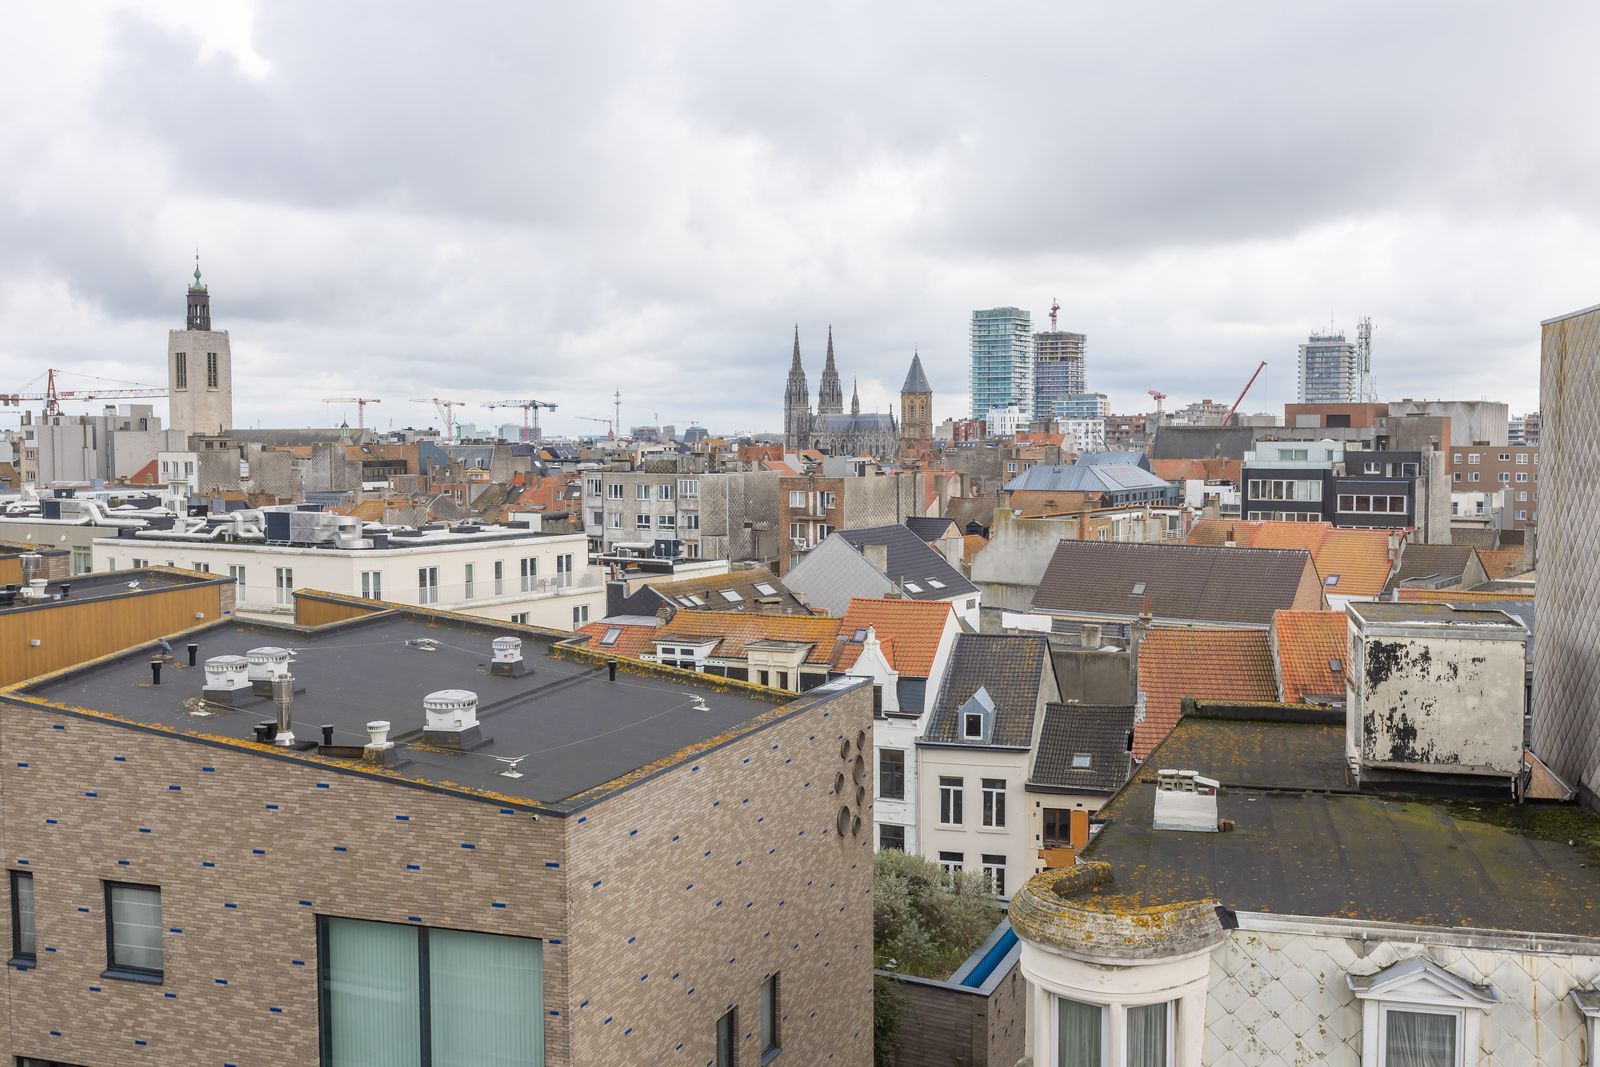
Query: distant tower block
{"points": [[199, 368]]}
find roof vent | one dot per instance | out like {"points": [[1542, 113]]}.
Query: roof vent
{"points": [[35, 589], [30, 566], [225, 676], [267, 663], [507, 661], [452, 717], [1185, 801]]}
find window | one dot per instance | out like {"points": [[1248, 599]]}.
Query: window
{"points": [[642, 491], [203, 568], [689, 520], [951, 862], [180, 370], [1474, 457], [1057, 828], [211, 370], [283, 582], [1080, 1034], [1505, 477], [1082, 761], [1522, 476], [82, 560], [689, 487], [1521, 515], [614, 491], [828, 500], [641, 521], [727, 1033], [994, 802], [409, 996], [580, 615], [466, 588], [372, 585], [529, 567], [499, 577], [797, 498], [994, 872], [1423, 1038], [24, 947], [1284, 489], [616, 520], [1505, 457], [133, 931], [769, 1018], [1472, 476], [592, 486], [427, 585], [666, 522], [797, 532], [891, 774], [972, 725], [1374, 505], [237, 574], [664, 491], [1522, 459], [1149, 1039], [520, 618], [950, 801]]}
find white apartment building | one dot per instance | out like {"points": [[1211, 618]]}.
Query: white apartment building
{"points": [[679, 515], [499, 572]]}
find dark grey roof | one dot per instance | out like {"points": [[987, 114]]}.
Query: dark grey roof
{"points": [[1304, 843], [1204, 442], [928, 528], [1443, 563], [913, 565], [1088, 478], [1084, 748], [756, 589], [1113, 459], [1200, 582], [866, 422], [306, 435], [103, 585], [1011, 668], [916, 381], [577, 730]]}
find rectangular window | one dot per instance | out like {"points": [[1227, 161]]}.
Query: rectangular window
{"points": [[891, 836], [180, 370], [529, 570], [211, 370], [580, 615], [24, 947], [665, 522], [1473, 457], [972, 725], [203, 568], [499, 577], [1522, 459], [616, 520], [372, 585], [1149, 1044], [597, 518], [1419, 1037], [1057, 831], [994, 802], [828, 501], [769, 1017], [1472, 476], [592, 486], [891, 773], [614, 491], [689, 487], [1080, 1034], [727, 1039], [133, 931], [237, 574], [950, 801], [82, 560], [797, 498], [642, 491], [427, 585], [470, 575], [664, 491], [641, 521], [410, 996], [1505, 477], [994, 872], [1522, 476], [520, 618], [284, 584], [951, 862]]}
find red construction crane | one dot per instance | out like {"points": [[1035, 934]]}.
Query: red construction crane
{"points": [[360, 402], [529, 433], [446, 409], [1246, 389], [1160, 396], [53, 397]]}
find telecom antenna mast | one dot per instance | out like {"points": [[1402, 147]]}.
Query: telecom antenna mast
{"points": [[616, 404], [1368, 391]]}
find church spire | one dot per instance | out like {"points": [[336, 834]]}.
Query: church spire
{"points": [[830, 397], [855, 396], [198, 301], [796, 402]]}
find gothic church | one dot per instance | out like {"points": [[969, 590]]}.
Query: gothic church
{"points": [[831, 431]]}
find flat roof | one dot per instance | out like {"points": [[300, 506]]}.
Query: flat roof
{"points": [[103, 585], [400, 537], [1306, 843], [578, 732], [1430, 613]]}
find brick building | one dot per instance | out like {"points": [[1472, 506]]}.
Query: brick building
{"points": [[1489, 468], [550, 864], [812, 506]]}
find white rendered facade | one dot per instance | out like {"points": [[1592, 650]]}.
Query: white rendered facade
{"points": [[542, 580]]}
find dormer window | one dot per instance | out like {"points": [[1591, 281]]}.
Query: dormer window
{"points": [[1416, 1012], [972, 725], [977, 716]]}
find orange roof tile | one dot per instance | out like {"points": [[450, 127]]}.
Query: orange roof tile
{"points": [[1177, 470], [1503, 562], [907, 630], [632, 640], [1308, 642], [735, 629], [1360, 559], [1220, 664]]}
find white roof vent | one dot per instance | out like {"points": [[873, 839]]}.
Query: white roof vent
{"points": [[451, 711], [507, 660], [1185, 801], [227, 673], [268, 662]]}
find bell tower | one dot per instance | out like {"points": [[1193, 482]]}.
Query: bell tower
{"points": [[199, 367]]}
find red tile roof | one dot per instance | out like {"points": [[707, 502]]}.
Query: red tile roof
{"points": [[1307, 643], [1503, 562], [1360, 559], [1219, 664], [735, 629], [907, 630], [632, 638]]}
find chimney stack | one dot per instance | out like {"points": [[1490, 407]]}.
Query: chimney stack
{"points": [[1185, 801]]}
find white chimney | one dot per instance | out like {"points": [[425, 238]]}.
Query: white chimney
{"points": [[507, 660], [227, 674], [452, 711], [378, 733], [1185, 801]]}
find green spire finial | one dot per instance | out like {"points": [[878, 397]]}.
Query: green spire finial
{"points": [[197, 284]]}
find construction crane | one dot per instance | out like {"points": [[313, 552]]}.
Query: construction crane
{"points": [[1246, 389], [360, 402], [446, 410], [1055, 309], [52, 396], [605, 422], [1160, 396], [526, 406]]}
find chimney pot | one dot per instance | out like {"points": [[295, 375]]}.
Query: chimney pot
{"points": [[327, 734], [194, 653], [611, 670], [155, 670]]}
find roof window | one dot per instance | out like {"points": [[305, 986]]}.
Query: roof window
{"points": [[1138, 589], [696, 601], [859, 636], [912, 587], [611, 636], [1331, 580], [765, 589], [1081, 761], [730, 595], [936, 583]]}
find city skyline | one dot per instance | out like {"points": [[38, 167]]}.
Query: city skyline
{"points": [[339, 250]]}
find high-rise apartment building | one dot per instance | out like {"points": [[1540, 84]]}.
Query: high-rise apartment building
{"points": [[1566, 702], [1058, 372], [1330, 370], [1002, 360]]}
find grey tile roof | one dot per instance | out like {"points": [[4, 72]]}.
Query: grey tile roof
{"points": [[916, 380], [1200, 582], [1088, 478], [1113, 459], [1426, 561], [927, 527], [912, 560], [1011, 667], [1071, 731]]}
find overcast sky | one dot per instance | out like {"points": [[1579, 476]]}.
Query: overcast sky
{"points": [[513, 200]]}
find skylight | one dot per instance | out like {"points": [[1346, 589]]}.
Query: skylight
{"points": [[859, 636], [730, 595], [766, 590], [695, 601], [611, 636], [1138, 589], [1081, 761], [1331, 580], [913, 587], [686, 602], [1335, 666], [936, 583]]}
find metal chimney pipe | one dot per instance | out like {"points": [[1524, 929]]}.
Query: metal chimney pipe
{"points": [[155, 671], [327, 734], [283, 696], [611, 670], [194, 653]]}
